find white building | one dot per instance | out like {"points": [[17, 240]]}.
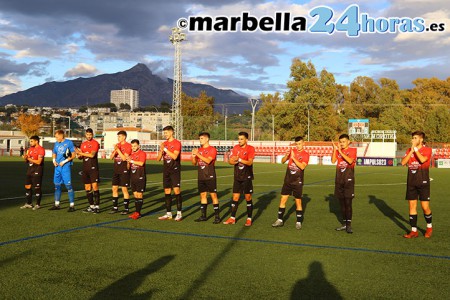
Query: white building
{"points": [[152, 121], [110, 136], [126, 96]]}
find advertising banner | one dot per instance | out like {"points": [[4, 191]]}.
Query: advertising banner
{"points": [[375, 161], [443, 163]]}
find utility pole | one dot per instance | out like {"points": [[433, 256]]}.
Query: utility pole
{"points": [[273, 128], [253, 103], [177, 119], [308, 121], [226, 117]]}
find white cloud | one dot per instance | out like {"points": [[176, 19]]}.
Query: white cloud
{"points": [[29, 46], [72, 48], [9, 84], [81, 69], [438, 17]]}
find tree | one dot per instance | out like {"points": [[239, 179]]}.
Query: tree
{"points": [[29, 124], [165, 107], [198, 114], [269, 107], [311, 97], [125, 106]]}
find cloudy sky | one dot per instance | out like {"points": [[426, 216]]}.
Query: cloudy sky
{"points": [[59, 40]]}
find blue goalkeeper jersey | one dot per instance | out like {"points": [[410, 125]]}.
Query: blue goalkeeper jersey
{"points": [[63, 150]]}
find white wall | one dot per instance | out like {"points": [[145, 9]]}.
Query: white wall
{"points": [[380, 149], [110, 137]]}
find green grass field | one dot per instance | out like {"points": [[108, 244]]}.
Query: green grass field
{"points": [[60, 255]]}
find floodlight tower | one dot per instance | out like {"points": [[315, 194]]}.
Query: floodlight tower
{"points": [[177, 119]]}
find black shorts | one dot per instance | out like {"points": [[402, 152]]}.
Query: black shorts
{"points": [[122, 179], [243, 187], [171, 180], [138, 183], [295, 190], [91, 176], [34, 179], [418, 192], [209, 186], [345, 189]]}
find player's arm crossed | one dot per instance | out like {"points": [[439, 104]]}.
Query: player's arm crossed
{"points": [[206, 159], [173, 155], [35, 161], [301, 164]]}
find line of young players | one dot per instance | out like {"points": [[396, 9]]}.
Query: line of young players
{"points": [[128, 157]]}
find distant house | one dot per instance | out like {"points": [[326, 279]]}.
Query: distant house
{"points": [[12, 140]]}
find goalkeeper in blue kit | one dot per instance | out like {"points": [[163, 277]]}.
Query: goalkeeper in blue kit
{"points": [[63, 154]]}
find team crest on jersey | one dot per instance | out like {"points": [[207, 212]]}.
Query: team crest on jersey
{"points": [[60, 149]]}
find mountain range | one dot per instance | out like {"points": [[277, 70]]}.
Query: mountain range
{"points": [[94, 90]]}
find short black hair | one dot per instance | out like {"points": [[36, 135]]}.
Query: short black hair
{"points": [[170, 128], [135, 141], [243, 133], [419, 133], [122, 132], [298, 138], [34, 137], [89, 130], [204, 134], [344, 136]]}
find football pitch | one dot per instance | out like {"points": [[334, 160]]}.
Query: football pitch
{"points": [[59, 255]]}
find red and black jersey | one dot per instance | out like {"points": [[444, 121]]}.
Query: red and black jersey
{"points": [[89, 147], [419, 172], [35, 153], [345, 172], [243, 172], [121, 165], [172, 165], [137, 170], [294, 175], [342, 163], [207, 171]]}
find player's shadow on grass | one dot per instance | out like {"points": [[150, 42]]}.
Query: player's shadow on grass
{"points": [[186, 195], [334, 207], [260, 205], [10, 259], [126, 286], [383, 207], [292, 209], [195, 208], [315, 286], [201, 279]]}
